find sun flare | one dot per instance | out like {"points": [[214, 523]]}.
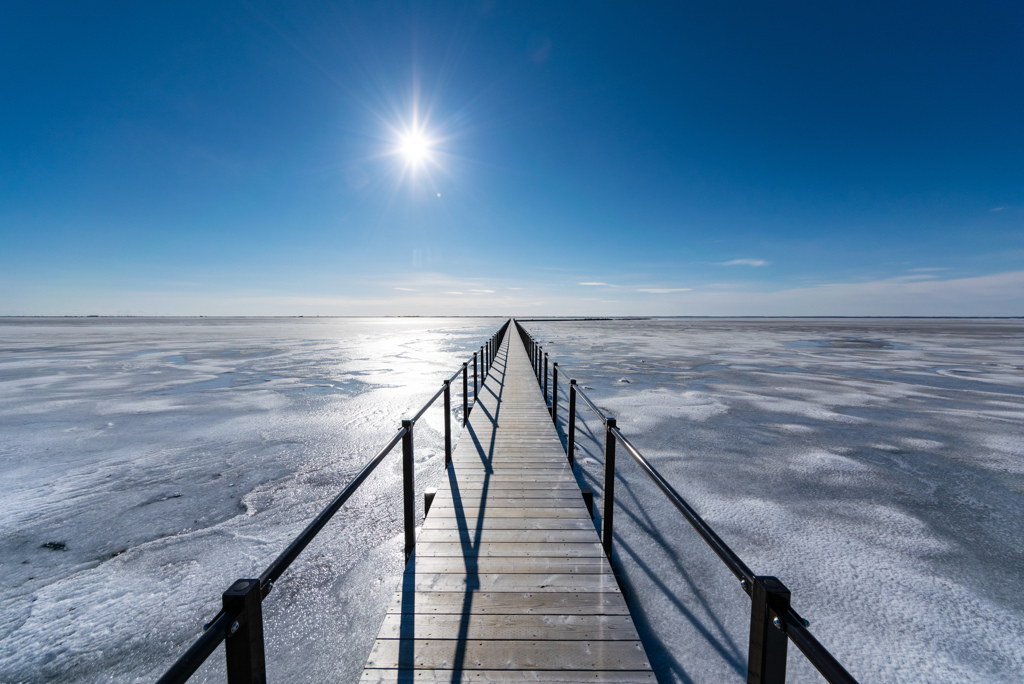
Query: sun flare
{"points": [[415, 147]]}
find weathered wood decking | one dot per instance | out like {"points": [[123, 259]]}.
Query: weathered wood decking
{"points": [[509, 581]]}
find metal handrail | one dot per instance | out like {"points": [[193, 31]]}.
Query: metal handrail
{"points": [[235, 619], [770, 598], [823, 661], [428, 404], [588, 402], [185, 666]]}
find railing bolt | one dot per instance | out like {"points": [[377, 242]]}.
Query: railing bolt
{"points": [[778, 623], [234, 626]]}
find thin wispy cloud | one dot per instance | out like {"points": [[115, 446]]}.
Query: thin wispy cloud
{"points": [[927, 270], [455, 293], [664, 290], [744, 262], [998, 208], [406, 289], [482, 291], [595, 284], [912, 278]]}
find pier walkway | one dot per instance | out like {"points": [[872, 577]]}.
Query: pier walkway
{"points": [[509, 581]]}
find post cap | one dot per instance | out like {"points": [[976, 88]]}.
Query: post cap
{"points": [[610, 422], [407, 422], [572, 381]]}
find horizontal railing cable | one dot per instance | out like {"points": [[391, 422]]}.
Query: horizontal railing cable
{"points": [[198, 652], [588, 402], [429, 403], [818, 655]]}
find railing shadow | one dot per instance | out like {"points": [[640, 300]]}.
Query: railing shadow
{"points": [[407, 624], [471, 544], [708, 629]]}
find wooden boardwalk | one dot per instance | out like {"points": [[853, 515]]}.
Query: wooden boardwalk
{"points": [[509, 581]]}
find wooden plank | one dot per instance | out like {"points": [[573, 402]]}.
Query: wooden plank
{"points": [[570, 550], [560, 475], [516, 582], [513, 484], [524, 603], [521, 512], [488, 523], [445, 493], [508, 655], [518, 627], [496, 564], [374, 676], [491, 500], [472, 536]]}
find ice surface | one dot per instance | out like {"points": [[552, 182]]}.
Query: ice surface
{"points": [[147, 464], [875, 466]]}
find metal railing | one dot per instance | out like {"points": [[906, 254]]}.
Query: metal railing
{"points": [[773, 621], [239, 624]]}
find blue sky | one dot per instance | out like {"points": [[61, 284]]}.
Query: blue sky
{"points": [[586, 158]]}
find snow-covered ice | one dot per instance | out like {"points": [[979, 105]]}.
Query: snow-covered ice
{"points": [[875, 466], [147, 464]]}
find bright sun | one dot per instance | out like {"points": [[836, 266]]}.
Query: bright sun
{"points": [[416, 147]]}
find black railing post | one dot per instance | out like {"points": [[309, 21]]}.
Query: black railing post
{"points": [[546, 381], [609, 486], [554, 393], [408, 493], [244, 643], [476, 385], [570, 447], [447, 423], [766, 661], [465, 394], [483, 363]]}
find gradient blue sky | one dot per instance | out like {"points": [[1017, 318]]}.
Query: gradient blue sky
{"points": [[590, 158]]}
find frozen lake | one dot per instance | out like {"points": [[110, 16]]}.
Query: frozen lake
{"points": [[875, 466]]}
